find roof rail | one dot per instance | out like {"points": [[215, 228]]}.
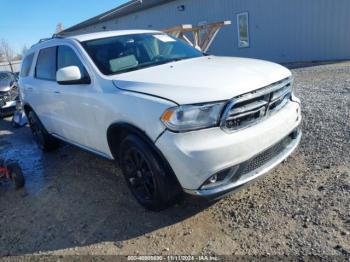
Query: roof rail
{"points": [[43, 40], [46, 39], [57, 36]]}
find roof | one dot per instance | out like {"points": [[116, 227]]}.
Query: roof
{"points": [[106, 34], [56, 39], [120, 11]]}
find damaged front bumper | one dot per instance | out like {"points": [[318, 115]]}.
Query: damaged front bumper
{"points": [[255, 167], [8, 102]]}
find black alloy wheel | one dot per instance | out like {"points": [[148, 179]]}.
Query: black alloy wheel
{"points": [[36, 129], [139, 175], [44, 140], [150, 181]]}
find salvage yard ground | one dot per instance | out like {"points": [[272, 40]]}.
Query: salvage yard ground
{"points": [[77, 203]]}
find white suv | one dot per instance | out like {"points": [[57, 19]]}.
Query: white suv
{"points": [[176, 119]]}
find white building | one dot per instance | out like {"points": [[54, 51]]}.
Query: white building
{"points": [[277, 30]]}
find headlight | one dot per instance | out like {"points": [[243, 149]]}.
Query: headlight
{"points": [[13, 93], [192, 117]]}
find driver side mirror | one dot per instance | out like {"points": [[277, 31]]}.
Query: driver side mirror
{"points": [[71, 75]]}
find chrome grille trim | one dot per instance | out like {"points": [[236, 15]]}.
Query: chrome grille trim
{"points": [[249, 107], [256, 105]]}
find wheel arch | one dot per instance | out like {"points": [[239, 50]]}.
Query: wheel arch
{"points": [[116, 132], [27, 108]]}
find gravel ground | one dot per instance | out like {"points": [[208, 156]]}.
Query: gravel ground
{"points": [[76, 203]]}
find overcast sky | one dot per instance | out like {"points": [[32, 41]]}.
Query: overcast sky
{"points": [[24, 22]]}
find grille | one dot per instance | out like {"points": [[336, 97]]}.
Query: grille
{"points": [[262, 158], [248, 109], [7, 111], [9, 95]]}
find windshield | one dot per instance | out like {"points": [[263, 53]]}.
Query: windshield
{"points": [[6, 76], [126, 53]]}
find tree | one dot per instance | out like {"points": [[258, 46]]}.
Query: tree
{"points": [[59, 28], [24, 50], [7, 52]]}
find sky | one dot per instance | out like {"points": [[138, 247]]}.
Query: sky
{"points": [[24, 22]]}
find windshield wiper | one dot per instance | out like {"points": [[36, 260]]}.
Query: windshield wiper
{"points": [[167, 61], [136, 68], [150, 65]]}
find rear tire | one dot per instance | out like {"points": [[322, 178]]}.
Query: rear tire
{"points": [[150, 181], [43, 139], [16, 175]]}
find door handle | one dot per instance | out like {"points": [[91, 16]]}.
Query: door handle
{"points": [[57, 92]]}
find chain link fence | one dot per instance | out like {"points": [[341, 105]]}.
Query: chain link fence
{"points": [[16, 66]]}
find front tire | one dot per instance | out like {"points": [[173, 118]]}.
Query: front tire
{"points": [[152, 184], [43, 139]]}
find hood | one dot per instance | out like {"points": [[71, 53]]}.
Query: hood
{"points": [[204, 79], [5, 85]]}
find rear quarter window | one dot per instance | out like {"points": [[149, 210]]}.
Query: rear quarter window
{"points": [[46, 64], [26, 65]]}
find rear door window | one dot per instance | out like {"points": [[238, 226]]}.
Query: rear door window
{"points": [[26, 65], [46, 64]]}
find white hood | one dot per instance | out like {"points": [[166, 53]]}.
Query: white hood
{"points": [[204, 79]]}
